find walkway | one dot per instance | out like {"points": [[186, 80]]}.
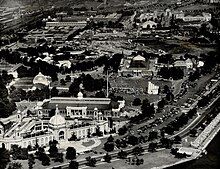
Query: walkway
{"points": [[78, 144], [202, 138]]}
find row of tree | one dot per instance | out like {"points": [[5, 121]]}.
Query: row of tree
{"points": [[6, 106]]}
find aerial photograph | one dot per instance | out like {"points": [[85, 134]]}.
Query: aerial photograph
{"points": [[109, 84]]}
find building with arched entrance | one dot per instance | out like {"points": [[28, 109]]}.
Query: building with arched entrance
{"points": [[82, 117]]}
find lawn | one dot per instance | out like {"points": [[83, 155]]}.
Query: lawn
{"points": [[150, 160], [138, 84], [89, 143]]}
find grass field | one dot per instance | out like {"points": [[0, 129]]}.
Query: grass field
{"points": [[150, 160]]}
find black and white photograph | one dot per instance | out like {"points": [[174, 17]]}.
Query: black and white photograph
{"points": [[109, 84]]}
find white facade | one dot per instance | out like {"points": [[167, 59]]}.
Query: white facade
{"points": [[205, 17], [152, 88], [189, 63], [53, 24], [36, 129]]}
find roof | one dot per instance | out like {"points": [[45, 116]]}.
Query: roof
{"points": [[180, 63], [189, 61], [145, 24], [139, 58], [57, 120], [90, 103], [188, 151], [16, 67], [41, 79]]}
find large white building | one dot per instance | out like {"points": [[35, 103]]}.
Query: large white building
{"points": [[152, 88], [137, 66], [204, 17], [79, 116], [73, 24]]}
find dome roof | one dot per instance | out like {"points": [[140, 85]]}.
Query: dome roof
{"points": [[41, 79], [57, 119]]}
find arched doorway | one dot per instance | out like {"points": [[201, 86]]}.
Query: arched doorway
{"points": [[61, 135]]}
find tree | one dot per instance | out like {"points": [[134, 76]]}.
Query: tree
{"points": [[133, 140], [54, 92], [136, 102], [140, 161], [166, 89], [68, 78], [18, 95], [107, 158], [161, 103], [192, 113], [100, 94], [59, 158], [91, 161], [4, 157], [177, 139], [31, 161], [123, 130], [70, 153], [15, 165], [152, 147], [19, 153], [6, 106], [153, 135], [138, 150], [62, 82], [122, 154], [167, 143], [73, 165], [169, 96], [110, 139], [53, 150], [193, 132], [174, 151], [40, 153], [109, 146], [45, 159]]}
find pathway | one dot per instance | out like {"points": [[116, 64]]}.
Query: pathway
{"points": [[78, 145]]}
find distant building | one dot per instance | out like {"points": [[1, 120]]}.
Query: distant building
{"points": [[114, 17], [152, 88], [149, 25], [204, 17], [82, 107], [189, 63], [14, 70], [210, 1], [41, 81], [58, 24], [138, 66]]}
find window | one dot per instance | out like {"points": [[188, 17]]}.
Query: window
{"points": [[61, 135]]}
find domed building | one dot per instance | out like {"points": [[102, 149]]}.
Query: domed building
{"points": [[41, 80], [77, 116], [57, 120], [57, 124]]}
